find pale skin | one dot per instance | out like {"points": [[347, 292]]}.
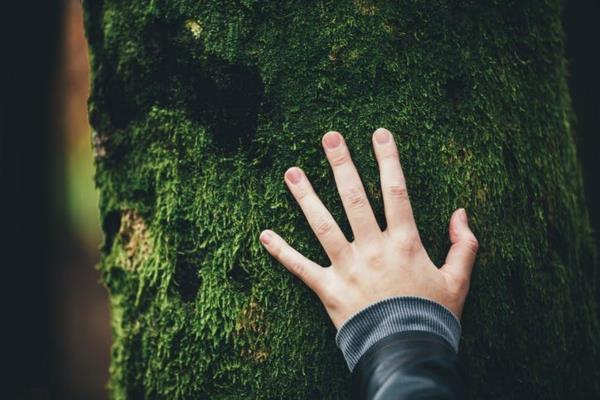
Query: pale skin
{"points": [[376, 264]]}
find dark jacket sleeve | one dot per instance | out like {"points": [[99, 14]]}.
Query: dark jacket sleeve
{"points": [[403, 347], [408, 365]]}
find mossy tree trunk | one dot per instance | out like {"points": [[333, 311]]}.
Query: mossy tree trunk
{"points": [[200, 106]]}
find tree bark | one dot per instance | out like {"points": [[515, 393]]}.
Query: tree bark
{"points": [[200, 107]]}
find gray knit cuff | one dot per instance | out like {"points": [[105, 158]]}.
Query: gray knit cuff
{"points": [[393, 315]]}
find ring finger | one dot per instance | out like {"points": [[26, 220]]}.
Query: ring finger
{"points": [[354, 198]]}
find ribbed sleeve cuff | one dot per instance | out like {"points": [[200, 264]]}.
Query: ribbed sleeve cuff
{"points": [[393, 315]]}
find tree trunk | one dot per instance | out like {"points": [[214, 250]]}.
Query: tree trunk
{"points": [[200, 107]]}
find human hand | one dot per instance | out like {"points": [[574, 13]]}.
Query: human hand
{"points": [[377, 264]]}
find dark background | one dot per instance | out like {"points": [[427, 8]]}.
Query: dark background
{"points": [[55, 327], [55, 320]]}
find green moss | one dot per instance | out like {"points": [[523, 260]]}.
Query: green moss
{"points": [[200, 108]]}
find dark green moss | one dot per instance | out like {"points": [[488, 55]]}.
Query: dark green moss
{"points": [[200, 107]]}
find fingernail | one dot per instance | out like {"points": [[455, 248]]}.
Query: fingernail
{"points": [[294, 175], [382, 136], [463, 215], [265, 237], [332, 140]]}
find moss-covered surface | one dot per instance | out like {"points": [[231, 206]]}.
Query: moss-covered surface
{"points": [[200, 106]]}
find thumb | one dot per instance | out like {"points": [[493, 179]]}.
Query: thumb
{"points": [[461, 257]]}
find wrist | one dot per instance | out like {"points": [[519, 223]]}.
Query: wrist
{"points": [[392, 315]]}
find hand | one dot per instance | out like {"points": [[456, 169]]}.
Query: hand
{"points": [[376, 264]]}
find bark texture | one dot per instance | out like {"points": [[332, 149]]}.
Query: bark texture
{"points": [[200, 106]]}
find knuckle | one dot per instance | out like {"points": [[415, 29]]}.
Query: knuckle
{"points": [[298, 268], [302, 192], [408, 240], [327, 289], [323, 226], [355, 197], [340, 158], [374, 258], [390, 154], [472, 243], [460, 285], [338, 249], [330, 300], [277, 250], [453, 230], [353, 278], [398, 192]]}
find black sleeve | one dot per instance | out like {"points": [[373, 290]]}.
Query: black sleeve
{"points": [[408, 365]]}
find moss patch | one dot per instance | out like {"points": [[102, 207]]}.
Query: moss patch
{"points": [[201, 107]]}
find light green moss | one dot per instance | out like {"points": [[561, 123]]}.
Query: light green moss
{"points": [[201, 107]]}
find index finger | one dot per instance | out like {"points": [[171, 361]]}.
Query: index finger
{"points": [[319, 218]]}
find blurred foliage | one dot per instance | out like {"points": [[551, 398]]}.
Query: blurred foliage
{"points": [[82, 196]]}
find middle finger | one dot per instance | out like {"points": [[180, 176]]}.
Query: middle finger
{"points": [[360, 215]]}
